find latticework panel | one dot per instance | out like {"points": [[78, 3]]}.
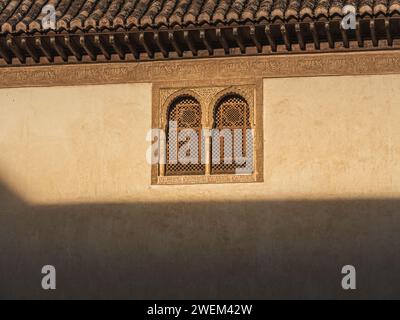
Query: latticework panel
{"points": [[184, 157], [232, 140]]}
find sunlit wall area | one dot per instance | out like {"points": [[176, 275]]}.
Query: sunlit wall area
{"points": [[324, 137]]}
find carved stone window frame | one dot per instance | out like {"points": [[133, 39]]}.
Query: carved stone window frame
{"points": [[208, 93]]}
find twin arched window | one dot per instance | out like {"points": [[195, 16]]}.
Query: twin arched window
{"points": [[194, 149]]}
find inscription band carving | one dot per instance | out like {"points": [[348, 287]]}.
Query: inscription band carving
{"points": [[355, 63]]}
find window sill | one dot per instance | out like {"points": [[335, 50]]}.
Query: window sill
{"points": [[208, 179]]}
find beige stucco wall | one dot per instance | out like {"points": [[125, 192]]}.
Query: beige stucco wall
{"points": [[75, 193], [332, 136], [324, 137], [67, 144]]}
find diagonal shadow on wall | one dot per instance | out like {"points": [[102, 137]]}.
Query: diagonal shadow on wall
{"points": [[203, 250]]}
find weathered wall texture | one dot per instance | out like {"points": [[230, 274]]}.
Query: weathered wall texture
{"points": [[76, 193]]}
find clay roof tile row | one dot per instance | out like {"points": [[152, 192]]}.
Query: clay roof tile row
{"points": [[71, 15]]}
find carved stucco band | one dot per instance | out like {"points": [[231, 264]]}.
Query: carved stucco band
{"points": [[383, 62]]}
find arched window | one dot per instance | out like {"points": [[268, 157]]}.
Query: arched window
{"points": [[184, 138], [232, 140]]}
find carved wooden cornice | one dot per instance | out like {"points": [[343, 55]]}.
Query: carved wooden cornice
{"points": [[192, 42]]}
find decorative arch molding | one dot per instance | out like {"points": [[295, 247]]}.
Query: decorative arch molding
{"points": [[245, 93], [170, 100]]}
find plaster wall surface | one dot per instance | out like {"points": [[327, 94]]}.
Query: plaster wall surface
{"points": [[76, 193], [323, 137]]}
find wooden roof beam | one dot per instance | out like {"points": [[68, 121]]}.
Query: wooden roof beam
{"points": [[130, 43], [4, 52], [285, 37], [42, 45], [72, 47], [329, 35], [145, 45], [256, 40], [388, 32], [84, 41], [345, 38], [315, 36], [299, 35], [239, 40], [54, 42], [176, 46], [26, 44], [160, 45], [206, 42], [99, 42], [190, 43], [13, 46], [373, 33], [222, 40], [117, 46], [360, 40], [270, 38]]}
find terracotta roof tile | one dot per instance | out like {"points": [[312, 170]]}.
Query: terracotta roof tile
{"points": [[179, 12], [25, 15], [250, 10], [121, 30]]}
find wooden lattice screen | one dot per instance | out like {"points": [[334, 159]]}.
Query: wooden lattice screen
{"points": [[231, 114], [186, 112]]}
